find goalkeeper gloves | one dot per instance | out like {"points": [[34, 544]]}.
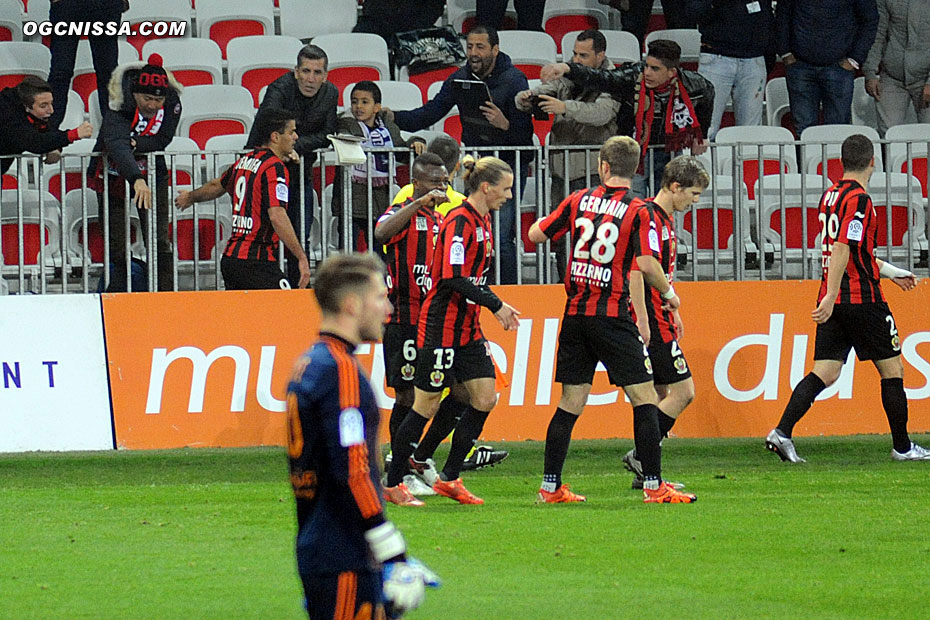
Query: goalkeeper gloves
{"points": [[404, 585]]}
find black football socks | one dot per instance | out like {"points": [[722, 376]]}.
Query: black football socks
{"points": [[402, 446], [801, 400], [558, 437], [646, 438], [398, 413], [449, 414], [463, 440], [894, 401]]}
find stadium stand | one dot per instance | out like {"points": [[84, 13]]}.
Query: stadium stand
{"points": [[11, 20], [901, 194], [560, 18], [773, 144], [697, 231], [799, 196], [822, 142], [162, 10], [622, 46], [84, 81], [224, 20], [213, 110], [528, 50], [21, 58], [256, 61], [193, 61], [90, 253], [918, 134], [33, 239], [306, 19], [353, 57]]}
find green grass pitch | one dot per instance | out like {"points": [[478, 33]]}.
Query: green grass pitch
{"points": [[192, 534]]}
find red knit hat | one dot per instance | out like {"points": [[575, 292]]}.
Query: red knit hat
{"points": [[152, 79]]}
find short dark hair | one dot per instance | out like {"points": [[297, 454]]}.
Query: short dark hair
{"points": [[30, 87], [668, 52], [341, 274], [269, 120], [598, 38], [491, 31], [687, 171], [857, 153], [622, 154], [313, 52], [421, 163], [367, 86], [448, 150]]}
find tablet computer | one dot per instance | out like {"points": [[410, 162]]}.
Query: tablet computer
{"points": [[469, 96]]}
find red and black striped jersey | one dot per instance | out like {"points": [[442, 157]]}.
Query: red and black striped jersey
{"points": [[661, 321], [410, 256], [608, 230], [463, 250], [847, 216], [332, 449], [256, 182]]}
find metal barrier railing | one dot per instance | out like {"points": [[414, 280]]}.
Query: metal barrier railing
{"points": [[753, 222]]}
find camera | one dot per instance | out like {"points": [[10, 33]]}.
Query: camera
{"points": [[538, 113]]}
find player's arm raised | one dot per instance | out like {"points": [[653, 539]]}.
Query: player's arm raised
{"points": [[839, 258], [389, 226]]}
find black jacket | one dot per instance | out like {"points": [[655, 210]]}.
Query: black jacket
{"points": [[622, 82], [117, 130], [504, 82], [824, 32], [729, 29], [18, 134], [316, 116]]}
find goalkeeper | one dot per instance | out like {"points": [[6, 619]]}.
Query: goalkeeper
{"points": [[352, 561]]}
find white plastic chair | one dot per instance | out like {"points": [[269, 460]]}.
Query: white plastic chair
{"points": [[157, 11], [622, 46], [776, 101], [901, 192], [353, 57], [529, 51], [256, 61], [918, 135], [11, 19], [773, 143], [222, 152], [306, 19], [224, 20], [214, 110], [688, 38], [394, 95], [699, 235], [193, 61], [21, 58], [820, 142], [566, 16], [32, 236]]}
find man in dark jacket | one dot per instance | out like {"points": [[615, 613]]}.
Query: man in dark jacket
{"points": [[661, 105], [506, 125], [143, 114], [822, 45], [312, 99], [736, 39], [24, 113]]}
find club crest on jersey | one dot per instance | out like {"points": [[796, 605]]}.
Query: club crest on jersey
{"points": [[648, 364], [854, 231], [406, 372], [457, 251], [681, 365], [665, 234], [436, 378], [896, 343], [422, 224]]}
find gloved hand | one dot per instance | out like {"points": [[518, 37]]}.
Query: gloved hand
{"points": [[404, 585]]}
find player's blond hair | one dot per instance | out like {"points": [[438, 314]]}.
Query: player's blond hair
{"points": [[486, 169], [621, 154]]}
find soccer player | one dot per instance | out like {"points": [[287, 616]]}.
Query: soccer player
{"points": [[683, 181], [851, 311], [409, 232], [258, 185], [451, 346], [609, 229], [332, 429]]}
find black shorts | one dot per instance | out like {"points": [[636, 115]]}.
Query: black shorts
{"points": [[615, 342], [868, 328], [668, 362], [438, 368], [400, 355], [349, 591], [240, 275]]}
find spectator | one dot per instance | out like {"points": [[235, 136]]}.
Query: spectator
{"points": [[507, 126], [387, 17], [143, 113], [635, 14], [822, 45], [448, 150], [660, 105], [25, 110], [581, 116], [307, 94], [897, 69], [104, 49], [366, 121], [529, 13], [736, 38]]}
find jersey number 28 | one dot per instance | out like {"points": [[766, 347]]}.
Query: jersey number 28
{"points": [[605, 239]]}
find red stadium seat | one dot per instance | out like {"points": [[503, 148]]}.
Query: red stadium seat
{"points": [[160, 11], [192, 61], [255, 62], [224, 20]]}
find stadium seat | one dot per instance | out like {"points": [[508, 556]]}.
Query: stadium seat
{"points": [[786, 191], [773, 143], [221, 152], [530, 51], [256, 61], [566, 16], [192, 61], [622, 46], [74, 161], [423, 80], [36, 11], [918, 135], [183, 158], [541, 129], [84, 82], [353, 57], [74, 113], [777, 106], [91, 252], [822, 142], [461, 16], [394, 95], [697, 230], [908, 218], [224, 20], [207, 219], [215, 110], [450, 124], [33, 239], [162, 10], [864, 111], [11, 20], [306, 19], [21, 58], [688, 38]]}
